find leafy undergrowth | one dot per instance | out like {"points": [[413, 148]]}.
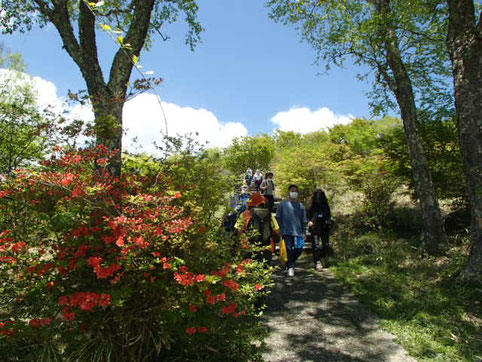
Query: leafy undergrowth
{"points": [[417, 297]]}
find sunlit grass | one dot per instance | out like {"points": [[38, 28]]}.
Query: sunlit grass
{"points": [[418, 298]]}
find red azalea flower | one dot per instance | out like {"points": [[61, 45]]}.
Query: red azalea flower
{"points": [[221, 297], [191, 330], [200, 278], [231, 284], [68, 315]]}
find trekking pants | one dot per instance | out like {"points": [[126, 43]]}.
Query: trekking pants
{"points": [[315, 244], [293, 253]]}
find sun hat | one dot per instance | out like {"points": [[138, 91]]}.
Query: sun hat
{"points": [[256, 199]]}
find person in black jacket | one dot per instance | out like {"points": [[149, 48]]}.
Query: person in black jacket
{"points": [[319, 216]]}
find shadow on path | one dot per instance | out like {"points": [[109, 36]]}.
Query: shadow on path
{"points": [[311, 317]]}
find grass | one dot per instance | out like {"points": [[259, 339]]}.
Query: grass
{"points": [[417, 297]]}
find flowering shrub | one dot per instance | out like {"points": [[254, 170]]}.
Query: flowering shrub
{"points": [[94, 267]]}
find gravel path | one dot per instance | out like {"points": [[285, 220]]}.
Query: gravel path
{"points": [[311, 317]]}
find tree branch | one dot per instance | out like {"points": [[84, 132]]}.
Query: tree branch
{"points": [[90, 61], [122, 65], [44, 8], [60, 17]]}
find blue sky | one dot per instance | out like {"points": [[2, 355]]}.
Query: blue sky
{"points": [[246, 70]]}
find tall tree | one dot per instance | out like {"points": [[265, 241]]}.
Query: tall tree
{"points": [[399, 48], [77, 22], [464, 42], [255, 152], [24, 129]]}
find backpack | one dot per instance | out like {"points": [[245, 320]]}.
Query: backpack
{"points": [[230, 221], [261, 222]]}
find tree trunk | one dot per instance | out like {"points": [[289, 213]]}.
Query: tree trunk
{"points": [[401, 85], [464, 42], [108, 127], [107, 98]]}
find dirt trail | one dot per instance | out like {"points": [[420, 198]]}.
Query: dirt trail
{"points": [[311, 317]]}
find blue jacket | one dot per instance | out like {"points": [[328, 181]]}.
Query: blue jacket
{"points": [[291, 216]]}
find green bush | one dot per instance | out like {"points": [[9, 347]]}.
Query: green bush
{"points": [[98, 268]]}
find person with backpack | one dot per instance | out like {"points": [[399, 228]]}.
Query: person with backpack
{"points": [[268, 188], [261, 220], [291, 216], [319, 216]]}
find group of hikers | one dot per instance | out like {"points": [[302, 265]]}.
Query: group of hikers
{"points": [[290, 222]]}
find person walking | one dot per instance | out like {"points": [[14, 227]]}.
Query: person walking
{"points": [[266, 227], [319, 216], [268, 188], [257, 179], [291, 216], [248, 177]]}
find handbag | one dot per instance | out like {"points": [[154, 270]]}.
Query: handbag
{"points": [[283, 253]]}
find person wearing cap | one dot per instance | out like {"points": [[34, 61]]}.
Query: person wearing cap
{"points": [[263, 221], [291, 216]]}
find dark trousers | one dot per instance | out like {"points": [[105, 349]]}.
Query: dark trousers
{"points": [[270, 202], [293, 253], [324, 237]]}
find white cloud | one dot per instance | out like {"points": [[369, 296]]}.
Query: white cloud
{"points": [[143, 118], [143, 122], [304, 120], [47, 94], [15, 83]]}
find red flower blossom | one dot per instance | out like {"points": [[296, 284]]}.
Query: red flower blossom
{"points": [[230, 309], [104, 300], [200, 278], [203, 329], [231, 284], [191, 330], [18, 246], [221, 297], [68, 315], [184, 279], [193, 308]]}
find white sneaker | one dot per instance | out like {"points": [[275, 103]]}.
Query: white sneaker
{"points": [[291, 272]]}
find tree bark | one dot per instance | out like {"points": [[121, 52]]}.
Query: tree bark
{"points": [[464, 43], [401, 85]]}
